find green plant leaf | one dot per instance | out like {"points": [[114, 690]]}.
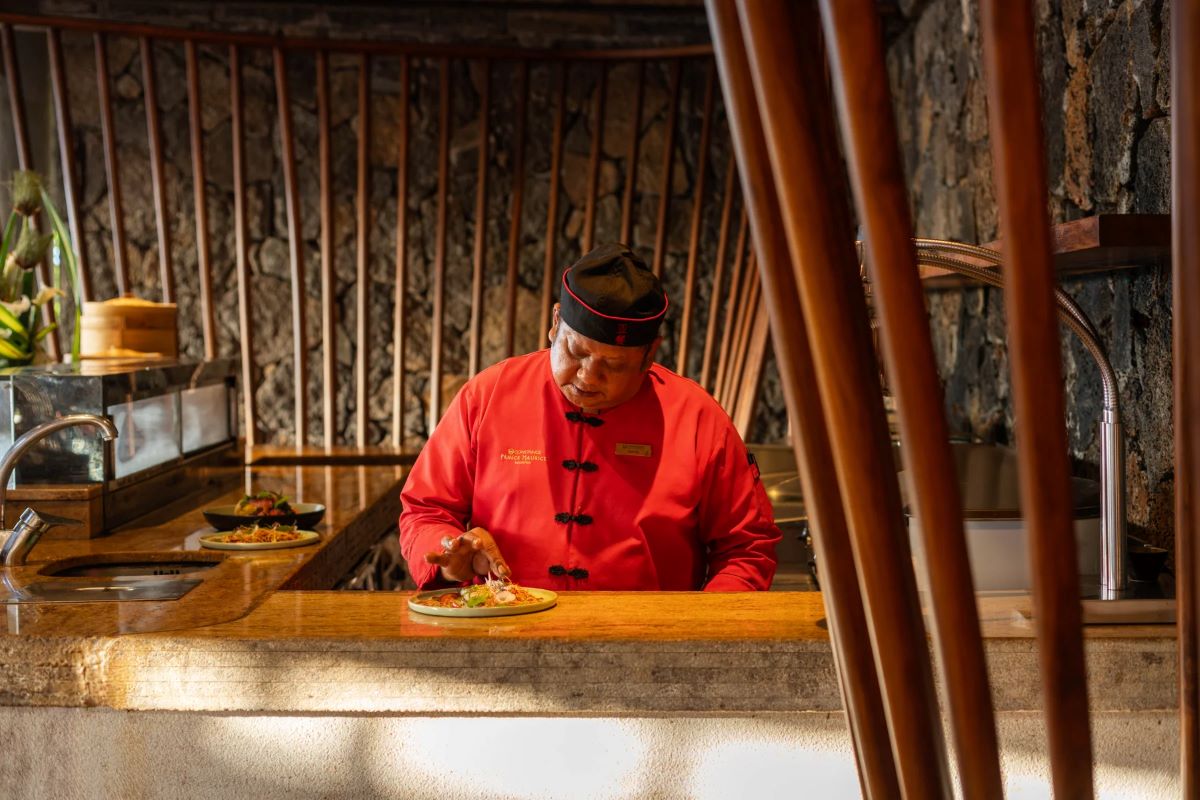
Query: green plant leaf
{"points": [[44, 332], [10, 230], [10, 351], [9, 320], [71, 265]]}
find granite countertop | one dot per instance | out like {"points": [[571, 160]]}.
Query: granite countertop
{"points": [[260, 636], [361, 503]]}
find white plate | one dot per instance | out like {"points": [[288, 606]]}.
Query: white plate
{"points": [[213, 541], [547, 600]]}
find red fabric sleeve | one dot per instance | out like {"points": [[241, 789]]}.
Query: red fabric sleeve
{"points": [[436, 498], [736, 519]]}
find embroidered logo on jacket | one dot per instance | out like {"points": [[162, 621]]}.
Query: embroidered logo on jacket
{"points": [[626, 449], [522, 455]]}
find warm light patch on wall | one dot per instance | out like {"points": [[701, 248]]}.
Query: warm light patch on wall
{"points": [[521, 757], [762, 767]]}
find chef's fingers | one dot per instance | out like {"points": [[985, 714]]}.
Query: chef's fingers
{"points": [[455, 560], [482, 540]]}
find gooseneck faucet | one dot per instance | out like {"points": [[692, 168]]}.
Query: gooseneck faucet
{"points": [[31, 526], [1113, 547]]}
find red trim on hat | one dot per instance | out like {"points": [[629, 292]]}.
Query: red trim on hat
{"points": [[666, 303]]}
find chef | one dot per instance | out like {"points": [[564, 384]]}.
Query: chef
{"points": [[587, 466]]}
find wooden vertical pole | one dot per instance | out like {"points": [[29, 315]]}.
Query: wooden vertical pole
{"points": [[689, 290], [399, 334], [860, 78], [108, 133], [710, 331], [631, 159], [203, 245], [295, 247], [1185, 250], [550, 267], [785, 54], [664, 191], [245, 313], [328, 278], [729, 327], [162, 216], [1014, 114], [362, 369], [810, 440], [439, 258], [598, 109], [475, 336], [518, 193], [66, 151]]}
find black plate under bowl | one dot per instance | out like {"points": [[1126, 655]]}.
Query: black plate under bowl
{"points": [[306, 517]]}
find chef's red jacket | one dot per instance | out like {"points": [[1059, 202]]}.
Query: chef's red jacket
{"points": [[657, 493]]}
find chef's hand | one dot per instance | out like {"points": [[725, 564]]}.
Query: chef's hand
{"points": [[464, 557]]}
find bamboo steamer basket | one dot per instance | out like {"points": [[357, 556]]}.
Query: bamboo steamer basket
{"points": [[126, 326]]}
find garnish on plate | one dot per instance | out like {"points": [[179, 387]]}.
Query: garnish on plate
{"points": [[495, 591], [262, 504]]}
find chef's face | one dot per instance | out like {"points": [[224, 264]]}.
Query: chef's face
{"points": [[594, 375]]}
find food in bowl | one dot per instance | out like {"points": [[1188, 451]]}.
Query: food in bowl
{"points": [[262, 504]]}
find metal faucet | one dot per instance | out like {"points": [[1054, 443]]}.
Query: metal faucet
{"points": [[1114, 580], [31, 525]]}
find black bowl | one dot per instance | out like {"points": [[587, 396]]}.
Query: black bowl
{"points": [[1146, 562], [306, 517]]}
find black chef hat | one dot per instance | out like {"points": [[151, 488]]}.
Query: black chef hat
{"points": [[609, 295]]}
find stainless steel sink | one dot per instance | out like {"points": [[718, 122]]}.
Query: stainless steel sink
{"points": [[101, 590], [111, 576], [132, 565], [127, 569]]}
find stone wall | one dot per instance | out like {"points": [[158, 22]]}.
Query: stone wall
{"points": [[1106, 98], [502, 24]]}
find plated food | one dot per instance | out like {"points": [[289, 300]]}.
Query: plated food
{"points": [[494, 598], [264, 505], [259, 537], [261, 533]]}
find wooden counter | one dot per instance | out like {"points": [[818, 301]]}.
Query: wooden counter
{"points": [[254, 637], [595, 653]]}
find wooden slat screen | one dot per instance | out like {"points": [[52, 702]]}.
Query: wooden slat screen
{"points": [[279, 223], [856, 49], [786, 62], [822, 493], [789, 119]]}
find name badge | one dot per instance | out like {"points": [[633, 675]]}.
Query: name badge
{"points": [[642, 450]]}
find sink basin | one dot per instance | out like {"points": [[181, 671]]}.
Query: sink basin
{"points": [[132, 565], [112, 576], [130, 569], [97, 591]]}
